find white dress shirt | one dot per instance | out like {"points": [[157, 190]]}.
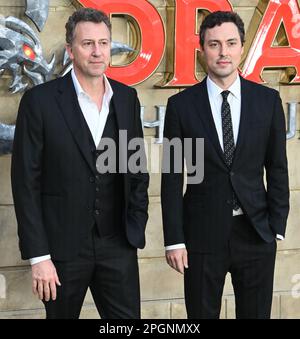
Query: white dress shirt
{"points": [[95, 119], [216, 100]]}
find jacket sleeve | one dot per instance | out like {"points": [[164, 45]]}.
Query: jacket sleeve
{"points": [[26, 173], [139, 180], [277, 171], [172, 179]]}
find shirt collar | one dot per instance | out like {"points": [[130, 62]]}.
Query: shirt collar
{"points": [[215, 90], [79, 90]]}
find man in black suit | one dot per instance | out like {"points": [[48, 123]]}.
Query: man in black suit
{"points": [[78, 226], [229, 221]]}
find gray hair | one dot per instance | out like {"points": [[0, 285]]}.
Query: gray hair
{"points": [[85, 15]]}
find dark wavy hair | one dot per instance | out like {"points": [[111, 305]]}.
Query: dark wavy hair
{"points": [[217, 19]]}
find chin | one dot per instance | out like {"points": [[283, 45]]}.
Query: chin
{"points": [[224, 74], [96, 73]]}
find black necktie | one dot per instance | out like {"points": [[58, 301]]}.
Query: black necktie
{"points": [[228, 140]]}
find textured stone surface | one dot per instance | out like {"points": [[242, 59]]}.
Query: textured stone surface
{"points": [[155, 310], [150, 96], [293, 147], [290, 306], [154, 234], [5, 186], [18, 291], [159, 281], [287, 266], [243, 3], [178, 310], [27, 314], [9, 249]]}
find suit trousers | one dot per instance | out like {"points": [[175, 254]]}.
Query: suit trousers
{"points": [[250, 261], [108, 265]]}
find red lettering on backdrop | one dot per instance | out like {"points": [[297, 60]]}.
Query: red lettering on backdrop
{"points": [[152, 37], [262, 54], [187, 38]]}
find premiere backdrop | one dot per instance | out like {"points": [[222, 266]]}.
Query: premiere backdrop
{"points": [[158, 49]]}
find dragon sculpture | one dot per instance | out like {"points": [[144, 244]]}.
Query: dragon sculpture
{"points": [[21, 55]]}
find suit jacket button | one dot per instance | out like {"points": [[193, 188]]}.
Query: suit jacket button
{"points": [[92, 179], [228, 202], [97, 189], [97, 212], [232, 174]]}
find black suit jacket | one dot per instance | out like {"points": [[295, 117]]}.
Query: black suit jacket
{"points": [[202, 218], [53, 170]]}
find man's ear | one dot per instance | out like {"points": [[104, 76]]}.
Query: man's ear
{"points": [[201, 49], [69, 50]]}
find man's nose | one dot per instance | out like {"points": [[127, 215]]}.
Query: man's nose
{"points": [[97, 51], [223, 49]]}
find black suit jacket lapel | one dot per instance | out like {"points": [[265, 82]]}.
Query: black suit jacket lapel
{"points": [[70, 109], [203, 108], [120, 103], [119, 100]]}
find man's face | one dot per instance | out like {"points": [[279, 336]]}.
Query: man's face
{"points": [[90, 49], [222, 50]]}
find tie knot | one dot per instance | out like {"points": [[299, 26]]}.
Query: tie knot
{"points": [[225, 95]]}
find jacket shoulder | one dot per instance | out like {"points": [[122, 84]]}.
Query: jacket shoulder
{"points": [[187, 93], [44, 88], [121, 87], [259, 88]]}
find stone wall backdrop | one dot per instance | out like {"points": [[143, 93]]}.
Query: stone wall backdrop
{"points": [[161, 287]]}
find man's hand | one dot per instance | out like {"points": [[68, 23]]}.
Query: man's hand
{"points": [[177, 259], [44, 280]]}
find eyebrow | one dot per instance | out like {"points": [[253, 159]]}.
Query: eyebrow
{"points": [[229, 40], [103, 39]]}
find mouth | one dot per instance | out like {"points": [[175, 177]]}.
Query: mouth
{"points": [[223, 63], [97, 62]]}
